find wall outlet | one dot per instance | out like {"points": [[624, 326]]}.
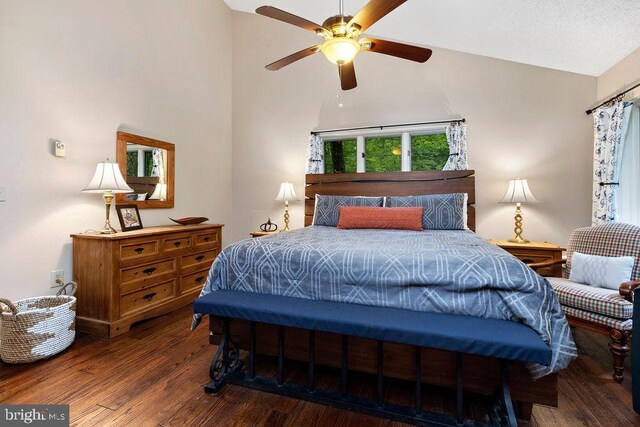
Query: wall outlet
{"points": [[55, 275], [2, 194]]}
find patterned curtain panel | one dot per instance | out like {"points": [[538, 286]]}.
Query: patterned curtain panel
{"points": [[158, 164], [610, 127], [315, 155], [457, 139]]}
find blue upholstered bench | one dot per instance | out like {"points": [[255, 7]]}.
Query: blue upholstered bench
{"points": [[508, 341]]}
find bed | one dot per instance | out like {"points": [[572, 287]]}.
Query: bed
{"points": [[437, 271]]}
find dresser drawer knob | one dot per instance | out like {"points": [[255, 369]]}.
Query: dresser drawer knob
{"points": [[199, 258], [206, 239], [177, 244], [148, 271], [200, 280], [139, 250], [149, 297]]}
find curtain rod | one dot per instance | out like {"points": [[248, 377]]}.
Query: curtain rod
{"points": [[437, 122], [613, 98]]}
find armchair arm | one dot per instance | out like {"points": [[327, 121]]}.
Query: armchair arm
{"points": [[548, 263], [626, 289]]}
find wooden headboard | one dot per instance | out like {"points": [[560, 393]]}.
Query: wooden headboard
{"points": [[391, 184]]}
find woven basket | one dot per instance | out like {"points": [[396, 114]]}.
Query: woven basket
{"points": [[37, 328]]}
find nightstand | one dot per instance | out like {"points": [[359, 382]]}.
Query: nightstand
{"points": [[263, 233], [535, 252]]}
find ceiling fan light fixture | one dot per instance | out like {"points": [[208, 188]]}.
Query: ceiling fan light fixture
{"points": [[340, 50]]}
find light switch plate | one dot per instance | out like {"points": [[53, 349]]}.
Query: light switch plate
{"points": [[2, 194]]}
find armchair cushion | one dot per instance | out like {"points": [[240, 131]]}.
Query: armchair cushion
{"points": [[600, 301], [609, 322]]}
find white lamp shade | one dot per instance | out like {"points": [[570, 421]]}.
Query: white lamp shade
{"points": [[286, 193], [159, 193], [518, 192], [108, 178]]}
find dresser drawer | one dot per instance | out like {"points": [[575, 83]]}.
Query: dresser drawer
{"points": [[146, 298], [529, 258], [147, 271], [139, 249], [207, 239], [193, 281], [204, 259], [176, 243]]}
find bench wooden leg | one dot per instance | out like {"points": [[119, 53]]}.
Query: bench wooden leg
{"points": [[226, 361], [619, 347], [524, 410]]}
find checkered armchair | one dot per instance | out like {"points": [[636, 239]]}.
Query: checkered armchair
{"points": [[601, 310]]}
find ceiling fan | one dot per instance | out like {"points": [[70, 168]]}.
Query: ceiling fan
{"points": [[342, 40]]}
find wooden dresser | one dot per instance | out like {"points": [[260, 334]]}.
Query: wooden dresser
{"points": [[127, 277]]}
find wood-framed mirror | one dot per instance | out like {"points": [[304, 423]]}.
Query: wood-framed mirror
{"points": [[148, 166]]}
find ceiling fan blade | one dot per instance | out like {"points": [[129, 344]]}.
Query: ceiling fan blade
{"points": [[289, 18], [400, 50], [347, 74], [373, 11], [292, 58]]}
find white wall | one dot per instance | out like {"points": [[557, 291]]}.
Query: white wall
{"points": [[522, 121], [78, 70]]}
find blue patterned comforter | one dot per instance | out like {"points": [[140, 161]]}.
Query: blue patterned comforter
{"points": [[453, 272]]}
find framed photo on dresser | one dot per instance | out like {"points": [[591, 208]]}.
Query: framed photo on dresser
{"points": [[129, 217]]}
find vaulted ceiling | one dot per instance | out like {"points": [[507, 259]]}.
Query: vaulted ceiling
{"points": [[581, 36]]}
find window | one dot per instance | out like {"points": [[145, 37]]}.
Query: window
{"points": [[417, 151], [628, 194], [429, 152], [383, 154], [340, 156]]}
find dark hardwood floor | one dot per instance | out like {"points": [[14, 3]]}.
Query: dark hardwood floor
{"points": [[153, 376]]}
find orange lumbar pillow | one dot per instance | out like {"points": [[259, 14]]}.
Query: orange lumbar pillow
{"points": [[389, 218]]}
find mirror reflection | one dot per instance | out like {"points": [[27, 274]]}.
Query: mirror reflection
{"points": [[146, 172]]}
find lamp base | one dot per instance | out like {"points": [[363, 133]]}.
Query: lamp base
{"points": [[286, 217], [108, 198], [518, 239], [108, 229], [518, 228]]}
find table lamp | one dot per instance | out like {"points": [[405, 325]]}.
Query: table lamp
{"points": [[518, 193], [107, 180], [286, 194]]}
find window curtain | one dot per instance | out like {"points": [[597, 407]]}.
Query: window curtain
{"points": [[610, 127], [457, 139], [315, 154], [158, 164], [628, 194]]}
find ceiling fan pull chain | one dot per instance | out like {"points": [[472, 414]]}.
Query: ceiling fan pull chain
{"points": [[341, 7]]}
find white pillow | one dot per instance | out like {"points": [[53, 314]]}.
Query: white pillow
{"points": [[601, 271]]}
